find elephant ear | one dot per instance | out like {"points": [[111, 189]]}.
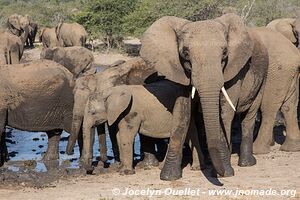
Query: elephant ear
{"points": [[286, 29], [116, 101], [239, 44], [160, 48]]}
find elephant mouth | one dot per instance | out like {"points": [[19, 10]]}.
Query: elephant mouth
{"points": [[224, 93]]}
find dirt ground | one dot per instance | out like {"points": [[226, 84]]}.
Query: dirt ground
{"points": [[275, 176], [277, 171]]}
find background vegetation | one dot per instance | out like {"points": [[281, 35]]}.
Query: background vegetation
{"points": [[112, 18]]}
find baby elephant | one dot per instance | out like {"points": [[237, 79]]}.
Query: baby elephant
{"points": [[146, 109]]}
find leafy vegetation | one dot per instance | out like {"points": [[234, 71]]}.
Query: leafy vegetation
{"points": [[115, 18]]}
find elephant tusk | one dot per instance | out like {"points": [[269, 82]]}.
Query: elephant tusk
{"points": [[228, 99], [193, 92]]}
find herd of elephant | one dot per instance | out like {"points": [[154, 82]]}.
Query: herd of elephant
{"points": [[188, 75], [22, 31]]}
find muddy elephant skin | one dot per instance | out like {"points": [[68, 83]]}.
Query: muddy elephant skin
{"points": [[71, 34], [37, 96], [125, 105], [11, 48], [78, 60]]}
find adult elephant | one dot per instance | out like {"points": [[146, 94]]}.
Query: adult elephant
{"points": [[19, 26], [11, 48], [220, 52], [78, 60], [289, 27], [36, 96], [72, 34], [48, 38], [281, 91]]}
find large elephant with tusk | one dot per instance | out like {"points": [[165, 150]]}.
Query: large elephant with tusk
{"points": [[221, 59]]}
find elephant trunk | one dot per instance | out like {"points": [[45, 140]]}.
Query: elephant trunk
{"points": [[88, 141], [208, 80], [78, 113], [76, 126]]}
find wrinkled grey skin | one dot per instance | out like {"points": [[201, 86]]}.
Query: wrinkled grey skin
{"points": [[48, 38], [71, 34], [19, 26], [289, 27], [281, 91], [11, 48], [218, 51], [78, 60], [125, 105], [132, 72], [36, 96]]}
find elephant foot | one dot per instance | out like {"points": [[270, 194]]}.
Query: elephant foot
{"points": [[87, 164], [290, 145], [228, 172], [246, 161], [259, 148], [171, 172], [125, 171], [149, 161], [50, 156]]}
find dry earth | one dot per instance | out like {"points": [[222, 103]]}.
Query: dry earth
{"points": [[277, 171]]}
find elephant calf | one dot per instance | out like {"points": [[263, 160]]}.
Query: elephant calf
{"points": [[145, 109], [78, 60]]}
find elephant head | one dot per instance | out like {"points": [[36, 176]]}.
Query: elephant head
{"points": [[290, 28], [14, 25], [217, 51], [19, 25]]}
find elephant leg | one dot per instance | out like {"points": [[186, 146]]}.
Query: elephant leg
{"points": [[102, 142], [265, 134], [113, 130], [87, 151], [246, 157], [181, 118], [148, 152], [3, 147], [53, 145], [227, 118], [289, 110], [193, 140], [125, 137], [80, 141]]}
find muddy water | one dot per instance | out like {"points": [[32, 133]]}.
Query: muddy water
{"points": [[26, 168]]}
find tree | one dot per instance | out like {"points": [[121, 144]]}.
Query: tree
{"points": [[105, 17]]}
